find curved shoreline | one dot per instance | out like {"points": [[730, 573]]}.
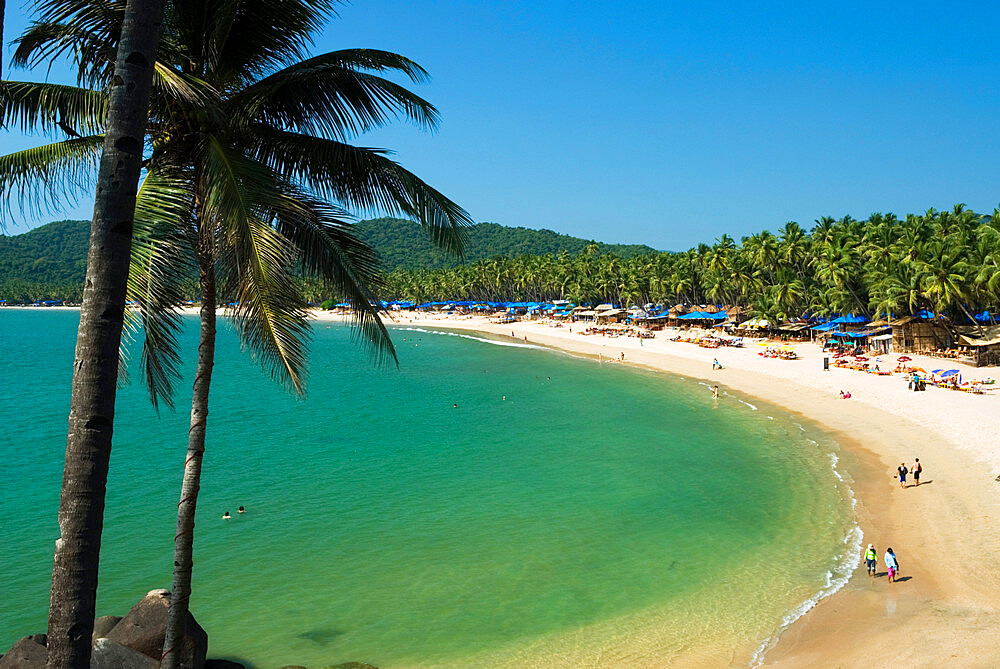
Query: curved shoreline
{"points": [[943, 612]]}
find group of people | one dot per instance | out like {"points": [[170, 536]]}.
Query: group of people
{"points": [[226, 515], [890, 560], [915, 470]]}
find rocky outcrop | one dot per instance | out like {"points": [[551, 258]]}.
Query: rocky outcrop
{"points": [[27, 653], [103, 625], [110, 655], [145, 626]]}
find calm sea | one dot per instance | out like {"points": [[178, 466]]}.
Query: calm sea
{"points": [[598, 515]]}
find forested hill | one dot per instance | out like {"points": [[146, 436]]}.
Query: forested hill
{"points": [[56, 253], [402, 244], [52, 253]]}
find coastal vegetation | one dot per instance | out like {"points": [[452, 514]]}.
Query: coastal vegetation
{"points": [[48, 262], [942, 261], [947, 262]]}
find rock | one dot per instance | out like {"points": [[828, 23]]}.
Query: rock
{"points": [[110, 655], [26, 653], [145, 626], [223, 664], [103, 625]]}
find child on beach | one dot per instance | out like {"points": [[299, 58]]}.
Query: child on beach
{"points": [[871, 559], [892, 564], [901, 471]]}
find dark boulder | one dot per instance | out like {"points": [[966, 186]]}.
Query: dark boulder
{"points": [[145, 626], [27, 653], [223, 664], [103, 625], [110, 655]]}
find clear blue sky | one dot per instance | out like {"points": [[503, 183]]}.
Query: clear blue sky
{"points": [[672, 123]]}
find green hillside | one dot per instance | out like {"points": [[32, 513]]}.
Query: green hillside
{"points": [[54, 252], [50, 261], [402, 244]]}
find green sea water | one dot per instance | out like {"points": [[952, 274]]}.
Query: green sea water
{"points": [[598, 516]]}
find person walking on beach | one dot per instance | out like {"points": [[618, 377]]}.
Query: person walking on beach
{"points": [[871, 559], [715, 392], [891, 564], [916, 469], [715, 363], [901, 471]]}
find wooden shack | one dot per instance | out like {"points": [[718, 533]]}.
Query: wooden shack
{"points": [[984, 342], [913, 334]]}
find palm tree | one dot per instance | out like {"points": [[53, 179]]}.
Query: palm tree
{"points": [[95, 375], [248, 146]]}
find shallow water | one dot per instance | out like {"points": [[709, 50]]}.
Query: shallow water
{"points": [[597, 514]]}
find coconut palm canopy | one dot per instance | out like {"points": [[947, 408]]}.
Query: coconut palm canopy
{"points": [[941, 262], [250, 169]]}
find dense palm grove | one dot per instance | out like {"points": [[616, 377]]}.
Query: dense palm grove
{"points": [[945, 262]]}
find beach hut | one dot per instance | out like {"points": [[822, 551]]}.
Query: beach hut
{"points": [[984, 342], [605, 316], [913, 333]]}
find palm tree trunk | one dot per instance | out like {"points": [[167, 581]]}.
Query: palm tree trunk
{"points": [[95, 367], [184, 539]]}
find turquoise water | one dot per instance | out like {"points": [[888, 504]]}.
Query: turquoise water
{"points": [[597, 515]]}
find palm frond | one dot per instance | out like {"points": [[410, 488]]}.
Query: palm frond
{"points": [[330, 95], [329, 250], [160, 264], [363, 179], [45, 178], [31, 106], [247, 38], [183, 87], [86, 29], [255, 263]]}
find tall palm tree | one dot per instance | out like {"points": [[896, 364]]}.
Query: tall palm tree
{"points": [[248, 146], [123, 109]]}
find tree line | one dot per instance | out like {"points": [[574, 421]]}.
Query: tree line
{"points": [[943, 261]]}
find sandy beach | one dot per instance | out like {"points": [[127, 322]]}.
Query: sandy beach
{"points": [[945, 610]]}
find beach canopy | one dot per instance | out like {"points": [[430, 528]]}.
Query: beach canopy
{"points": [[825, 327], [950, 372], [704, 316], [850, 319]]}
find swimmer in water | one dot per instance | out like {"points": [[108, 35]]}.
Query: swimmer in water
{"points": [[226, 516], [454, 406], [715, 392], [241, 510], [504, 397]]}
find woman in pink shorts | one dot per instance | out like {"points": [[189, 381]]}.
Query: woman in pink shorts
{"points": [[892, 564]]}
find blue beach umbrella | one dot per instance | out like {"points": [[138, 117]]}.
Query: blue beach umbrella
{"points": [[950, 372]]}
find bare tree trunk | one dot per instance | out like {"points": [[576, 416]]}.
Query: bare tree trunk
{"points": [[95, 368], [184, 539]]}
